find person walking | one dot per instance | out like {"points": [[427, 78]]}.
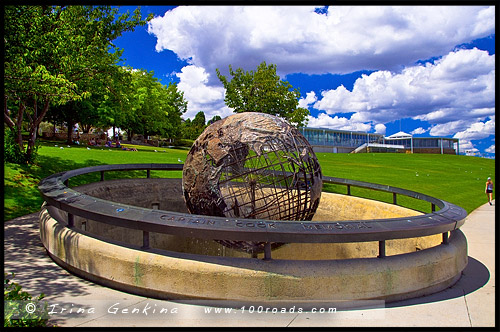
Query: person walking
{"points": [[489, 190]]}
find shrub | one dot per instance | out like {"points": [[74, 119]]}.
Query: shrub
{"points": [[13, 154], [15, 304]]}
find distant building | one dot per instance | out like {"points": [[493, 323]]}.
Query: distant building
{"points": [[341, 141], [472, 153]]}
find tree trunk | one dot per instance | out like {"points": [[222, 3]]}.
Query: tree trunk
{"points": [[31, 143], [17, 125], [86, 128], [70, 133], [19, 136], [34, 122], [19, 131]]}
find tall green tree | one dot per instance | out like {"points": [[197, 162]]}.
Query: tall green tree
{"points": [[114, 99], [191, 129], [215, 118], [88, 115], [51, 54], [263, 91], [176, 106], [152, 108], [84, 112], [198, 124], [199, 119], [109, 93]]}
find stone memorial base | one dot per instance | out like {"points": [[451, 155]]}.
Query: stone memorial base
{"points": [[187, 268]]}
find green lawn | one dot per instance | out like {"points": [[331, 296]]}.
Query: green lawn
{"points": [[21, 194], [457, 179]]}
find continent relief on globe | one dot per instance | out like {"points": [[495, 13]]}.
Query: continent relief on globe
{"points": [[252, 166]]}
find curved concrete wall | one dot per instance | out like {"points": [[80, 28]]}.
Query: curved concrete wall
{"points": [[166, 194], [170, 275]]}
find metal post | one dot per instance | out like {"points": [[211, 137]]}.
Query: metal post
{"points": [[445, 238], [267, 251], [433, 207], [71, 220], [394, 199], [349, 190], [148, 173], [66, 182], [381, 249], [145, 240], [102, 175]]}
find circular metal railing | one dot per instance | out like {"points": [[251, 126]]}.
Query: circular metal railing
{"points": [[56, 193]]}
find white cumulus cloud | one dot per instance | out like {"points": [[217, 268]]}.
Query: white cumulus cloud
{"points": [[477, 131], [434, 92], [380, 128], [491, 149], [200, 96], [448, 128], [308, 100], [325, 121], [466, 146], [455, 94], [418, 131], [297, 39], [442, 93]]}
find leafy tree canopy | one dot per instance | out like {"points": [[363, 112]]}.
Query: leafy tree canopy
{"points": [[193, 128], [151, 108], [215, 118], [56, 54], [263, 91]]}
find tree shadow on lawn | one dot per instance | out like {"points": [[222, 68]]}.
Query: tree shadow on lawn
{"points": [[22, 195]]}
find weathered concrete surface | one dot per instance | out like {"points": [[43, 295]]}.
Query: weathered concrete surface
{"points": [[343, 207], [167, 195], [163, 274], [468, 303]]}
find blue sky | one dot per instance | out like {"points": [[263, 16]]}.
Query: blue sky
{"points": [[423, 70]]}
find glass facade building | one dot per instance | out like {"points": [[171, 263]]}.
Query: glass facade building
{"points": [[340, 141]]}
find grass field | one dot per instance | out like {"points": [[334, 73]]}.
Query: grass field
{"points": [[456, 179]]}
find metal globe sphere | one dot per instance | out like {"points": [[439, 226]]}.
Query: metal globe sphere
{"points": [[252, 166]]}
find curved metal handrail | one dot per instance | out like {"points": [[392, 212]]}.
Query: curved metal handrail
{"points": [[56, 192]]}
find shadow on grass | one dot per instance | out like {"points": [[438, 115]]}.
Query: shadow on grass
{"points": [[21, 192]]}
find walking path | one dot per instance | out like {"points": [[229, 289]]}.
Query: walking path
{"points": [[77, 302]]}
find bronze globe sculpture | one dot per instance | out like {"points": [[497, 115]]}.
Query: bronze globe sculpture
{"points": [[252, 166]]}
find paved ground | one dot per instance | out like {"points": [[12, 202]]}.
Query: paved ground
{"points": [[76, 302]]}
